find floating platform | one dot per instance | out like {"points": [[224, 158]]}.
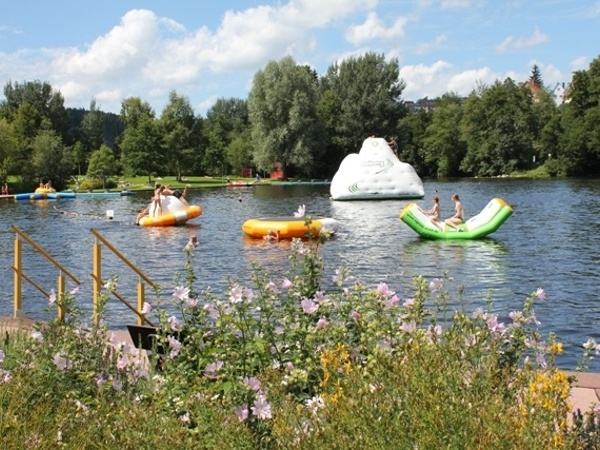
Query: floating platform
{"points": [[67, 195]]}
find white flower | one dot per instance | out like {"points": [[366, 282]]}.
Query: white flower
{"points": [[300, 212]]}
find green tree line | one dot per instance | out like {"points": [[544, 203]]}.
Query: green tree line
{"points": [[305, 124]]}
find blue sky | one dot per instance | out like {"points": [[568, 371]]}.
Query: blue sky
{"points": [[113, 49]]}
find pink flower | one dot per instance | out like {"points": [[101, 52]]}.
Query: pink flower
{"points": [[408, 327], [181, 292], [309, 306], [540, 294], [5, 376], [408, 302], [261, 408], [174, 323], [242, 412], [175, 346], [301, 211], [383, 290], [37, 335], [435, 284], [74, 291], [253, 383], [146, 308], [392, 302], [321, 323], [191, 302], [494, 326], [211, 371], [52, 297], [286, 284], [236, 294], [355, 315], [61, 362]]}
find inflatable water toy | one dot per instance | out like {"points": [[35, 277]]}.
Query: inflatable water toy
{"points": [[375, 173], [287, 227], [172, 212], [487, 221], [44, 194]]}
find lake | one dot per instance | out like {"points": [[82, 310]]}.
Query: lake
{"points": [[551, 241]]}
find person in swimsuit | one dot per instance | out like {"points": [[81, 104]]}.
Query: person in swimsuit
{"points": [[435, 212], [459, 213]]}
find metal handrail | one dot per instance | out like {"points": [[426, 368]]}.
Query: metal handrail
{"points": [[97, 279], [19, 274], [123, 258], [45, 254]]}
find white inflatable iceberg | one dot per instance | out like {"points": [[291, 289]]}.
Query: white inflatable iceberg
{"points": [[375, 173]]}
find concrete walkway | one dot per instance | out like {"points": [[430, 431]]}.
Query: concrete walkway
{"points": [[585, 391]]}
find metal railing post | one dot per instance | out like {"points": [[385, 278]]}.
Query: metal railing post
{"points": [[18, 300], [60, 295], [141, 292], [97, 278]]}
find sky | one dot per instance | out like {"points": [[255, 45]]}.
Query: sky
{"points": [[204, 50]]}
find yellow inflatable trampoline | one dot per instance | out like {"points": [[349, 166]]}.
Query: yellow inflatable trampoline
{"points": [[172, 211], [287, 227]]}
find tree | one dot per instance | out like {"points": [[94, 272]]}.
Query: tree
{"points": [[177, 124], [536, 77], [49, 160], [443, 145], [141, 142], [102, 163], [411, 142], [364, 94], [141, 151], [92, 128], [47, 104], [283, 112], [8, 146], [499, 129]]}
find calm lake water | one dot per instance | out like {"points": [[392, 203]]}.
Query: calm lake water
{"points": [[551, 241]]}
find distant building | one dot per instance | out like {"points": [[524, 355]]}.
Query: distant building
{"points": [[422, 104], [561, 93]]}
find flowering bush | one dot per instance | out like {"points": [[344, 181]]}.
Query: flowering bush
{"points": [[282, 363]]}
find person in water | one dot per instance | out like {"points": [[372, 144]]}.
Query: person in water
{"points": [[459, 214], [141, 213], [435, 212], [271, 236]]}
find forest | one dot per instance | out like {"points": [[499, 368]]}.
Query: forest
{"points": [[305, 124]]}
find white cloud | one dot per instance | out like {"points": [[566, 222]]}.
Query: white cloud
{"points": [[427, 46], [512, 43], [581, 63], [374, 28]]}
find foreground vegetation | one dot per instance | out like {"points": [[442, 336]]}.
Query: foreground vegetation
{"points": [[301, 359]]}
